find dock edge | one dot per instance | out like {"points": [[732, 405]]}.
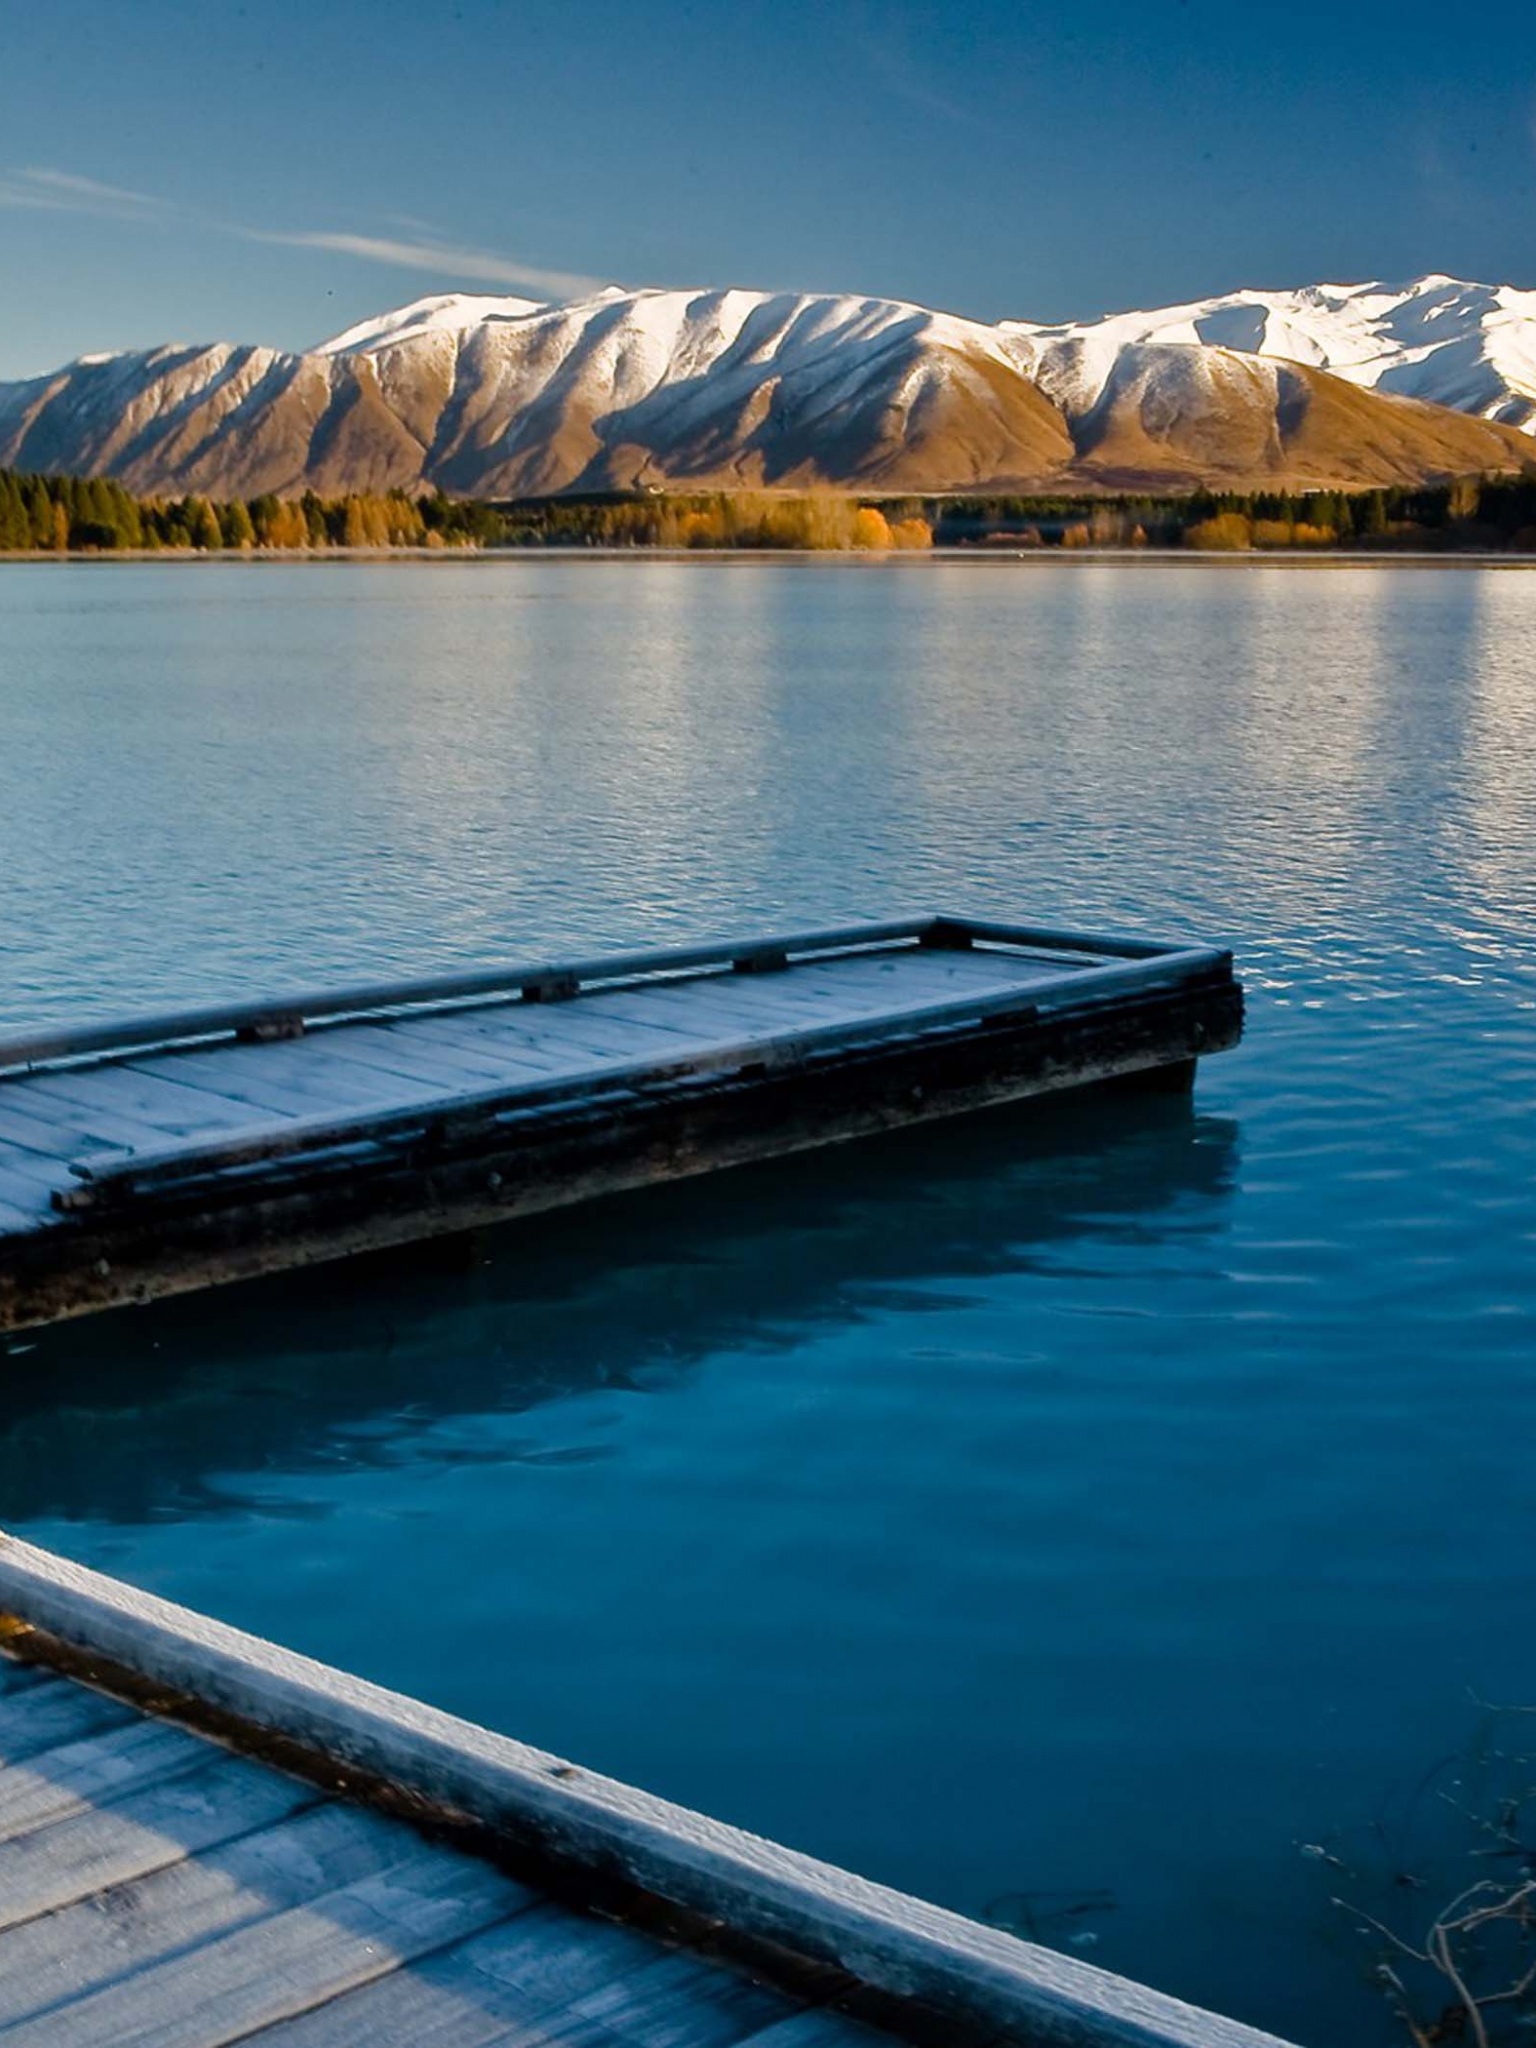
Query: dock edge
{"points": [[982, 1985]]}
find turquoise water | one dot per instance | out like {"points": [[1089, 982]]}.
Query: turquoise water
{"points": [[1068, 1515]]}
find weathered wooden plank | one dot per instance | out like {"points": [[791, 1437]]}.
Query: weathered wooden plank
{"points": [[511, 1977], [86, 1852], [93, 1772], [16, 1675], [587, 1028], [547, 1977], [654, 1006], [355, 1064], [31, 1170], [599, 1046], [390, 1051], [102, 1125], [932, 978], [43, 1717], [496, 1028], [166, 1106], [22, 1130], [712, 1010], [65, 1955], [679, 2001], [283, 1964], [257, 1076]]}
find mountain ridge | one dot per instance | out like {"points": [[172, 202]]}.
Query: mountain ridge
{"points": [[1446, 340], [727, 388]]}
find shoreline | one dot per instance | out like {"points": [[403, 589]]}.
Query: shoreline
{"points": [[1248, 558]]}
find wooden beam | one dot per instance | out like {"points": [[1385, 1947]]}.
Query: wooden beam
{"points": [[980, 1985]]}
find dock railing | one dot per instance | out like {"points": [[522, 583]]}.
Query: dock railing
{"points": [[535, 980]]}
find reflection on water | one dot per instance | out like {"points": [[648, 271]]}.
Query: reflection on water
{"points": [[1070, 1514], [127, 1417]]}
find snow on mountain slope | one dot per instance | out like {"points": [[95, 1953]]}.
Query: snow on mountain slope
{"points": [[498, 396], [449, 313], [725, 388], [1469, 346]]}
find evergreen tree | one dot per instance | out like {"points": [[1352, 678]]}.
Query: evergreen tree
{"points": [[39, 512], [203, 525], [15, 533], [235, 528]]}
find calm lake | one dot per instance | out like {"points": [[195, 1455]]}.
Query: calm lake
{"points": [[1071, 1515]]}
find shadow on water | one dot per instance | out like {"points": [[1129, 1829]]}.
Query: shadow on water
{"points": [[127, 1417]]}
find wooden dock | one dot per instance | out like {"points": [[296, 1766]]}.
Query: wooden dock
{"points": [[171, 1152], [206, 1839]]}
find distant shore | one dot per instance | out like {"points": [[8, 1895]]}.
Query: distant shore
{"points": [[762, 558]]}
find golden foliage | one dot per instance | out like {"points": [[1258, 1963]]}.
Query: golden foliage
{"points": [[1226, 533], [1285, 533], [912, 534], [819, 521]]}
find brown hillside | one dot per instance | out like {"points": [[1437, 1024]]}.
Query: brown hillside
{"points": [[725, 390]]}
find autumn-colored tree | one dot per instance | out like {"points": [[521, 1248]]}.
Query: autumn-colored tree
{"points": [[288, 528], [912, 534], [871, 528], [1223, 533]]}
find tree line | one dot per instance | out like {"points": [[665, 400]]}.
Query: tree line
{"points": [[71, 514], [64, 514], [816, 520], [1480, 513]]}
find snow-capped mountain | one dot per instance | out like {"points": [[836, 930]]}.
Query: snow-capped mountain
{"points": [[449, 313], [1468, 346], [500, 397]]}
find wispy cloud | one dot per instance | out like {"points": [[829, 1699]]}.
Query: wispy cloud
{"points": [[882, 40], [46, 190], [438, 257], [49, 191]]}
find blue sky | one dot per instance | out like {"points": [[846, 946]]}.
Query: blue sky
{"points": [[272, 172]]}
